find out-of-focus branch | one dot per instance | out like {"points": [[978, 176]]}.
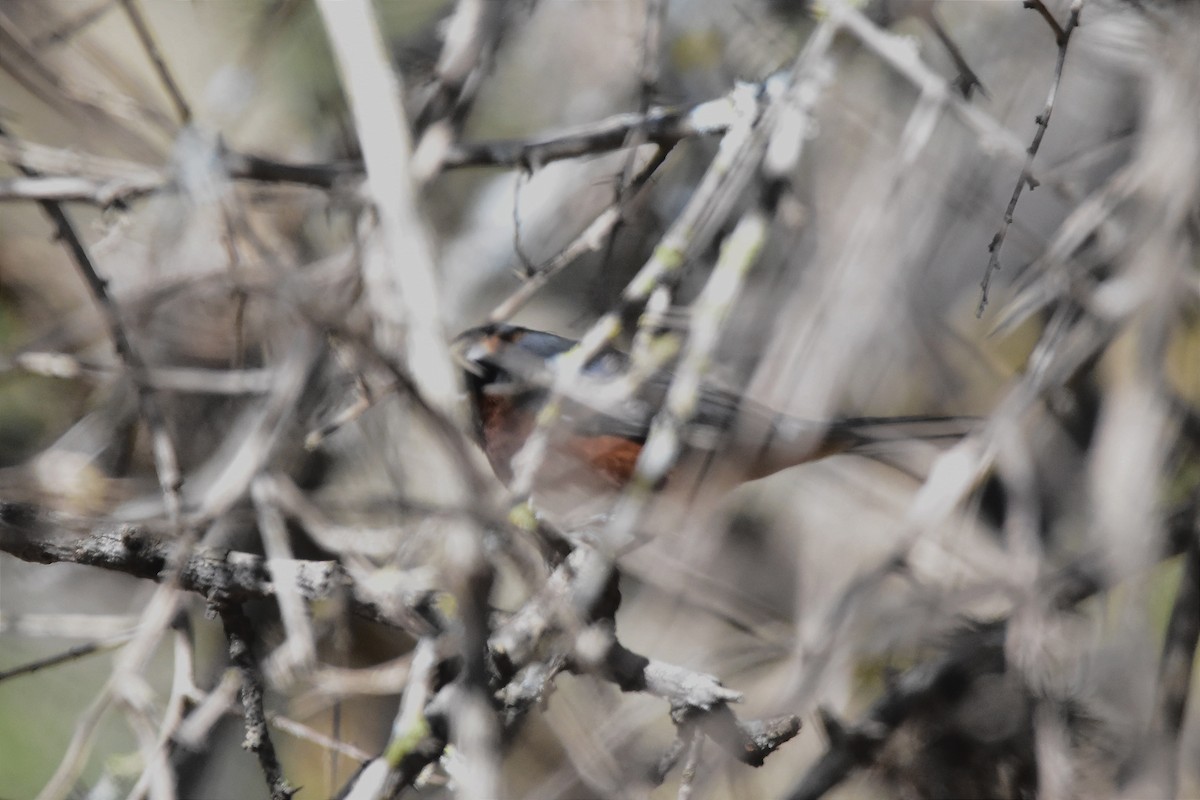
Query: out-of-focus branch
{"points": [[157, 770], [400, 285], [853, 747], [173, 379], [1177, 665], [591, 239], [473, 34], [70, 654], [165, 462], [146, 38], [102, 192], [722, 185], [105, 181], [901, 56]]}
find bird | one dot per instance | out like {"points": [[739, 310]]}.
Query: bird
{"points": [[601, 432]]}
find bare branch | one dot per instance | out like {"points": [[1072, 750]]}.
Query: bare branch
{"points": [[146, 38], [241, 637], [231, 575], [1063, 38]]}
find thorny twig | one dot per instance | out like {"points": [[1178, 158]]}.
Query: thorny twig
{"points": [[1062, 36], [657, 125]]}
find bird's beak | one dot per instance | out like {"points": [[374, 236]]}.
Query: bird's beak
{"points": [[468, 366], [469, 350]]}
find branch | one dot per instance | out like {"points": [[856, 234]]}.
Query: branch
{"points": [[70, 654], [662, 126], [103, 192], [1060, 35], [195, 380], [902, 57], [399, 278], [146, 38], [1178, 658], [591, 239], [226, 575], [106, 182], [240, 635], [165, 462], [1063, 38], [855, 746]]}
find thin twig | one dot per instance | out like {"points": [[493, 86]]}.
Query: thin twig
{"points": [[73, 761], [72, 27], [662, 126], [363, 398], [519, 180], [165, 462], [305, 733], [70, 654], [160, 65], [648, 75], [592, 238], [902, 57], [1060, 35], [1062, 38], [473, 34], [157, 766]]}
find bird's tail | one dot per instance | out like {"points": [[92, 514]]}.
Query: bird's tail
{"points": [[792, 441]]}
